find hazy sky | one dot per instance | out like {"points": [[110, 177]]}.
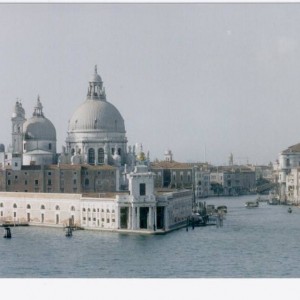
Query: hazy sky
{"points": [[188, 77]]}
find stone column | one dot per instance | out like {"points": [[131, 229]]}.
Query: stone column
{"points": [[150, 218], [133, 220], [117, 216], [129, 226], [166, 218], [138, 218], [96, 156]]}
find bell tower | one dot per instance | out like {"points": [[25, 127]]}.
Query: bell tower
{"points": [[18, 119]]}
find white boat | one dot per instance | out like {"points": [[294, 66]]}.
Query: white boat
{"points": [[252, 204]]}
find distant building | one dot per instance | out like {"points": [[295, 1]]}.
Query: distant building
{"points": [[232, 180], [202, 183]]}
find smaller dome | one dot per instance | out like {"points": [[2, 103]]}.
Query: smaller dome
{"points": [[95, 77], [39, 128]]}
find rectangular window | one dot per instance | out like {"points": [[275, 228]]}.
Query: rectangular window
{"points": [[74, 181], [25, 182], [16, 177], [49, 182], [15, 214], [16, 164], [49, 173], [8, 182], [1, 213], [36, 182], [142, 189]]}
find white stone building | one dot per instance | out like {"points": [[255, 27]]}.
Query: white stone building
{"points": [[96, 131], [140, 210], [288, 163]]}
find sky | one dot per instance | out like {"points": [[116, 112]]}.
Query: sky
{"points": [[203, 80]]}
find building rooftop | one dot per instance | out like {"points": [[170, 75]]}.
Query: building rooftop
{"points": [[292, 149]]}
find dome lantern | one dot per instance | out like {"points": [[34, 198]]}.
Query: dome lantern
{"points": [[38, 109], [96, 90]]}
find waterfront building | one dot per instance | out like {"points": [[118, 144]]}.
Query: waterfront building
{"points": [[138, 210], [202, 183], [172, 174], [288, 162]]}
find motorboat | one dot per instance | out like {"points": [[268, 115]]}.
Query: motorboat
{"points": [[251, 204], [222, 208]]}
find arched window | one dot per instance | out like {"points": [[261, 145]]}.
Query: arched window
{"points": [[72, 208], [83, 209], [42, 206], [100, 156], [57, 207], [91, 157], [89, 209], [1, 204], [28, 206], [86, 182], [15, 205], [94, 209]]}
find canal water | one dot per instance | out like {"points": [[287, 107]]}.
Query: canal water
{"points": [[261, 242]]}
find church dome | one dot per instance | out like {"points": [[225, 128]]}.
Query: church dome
{"points": [[97, 115], [38, 127]]}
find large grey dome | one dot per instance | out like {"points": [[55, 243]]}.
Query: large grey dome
{"points": [[97, 115], [39, 128]]}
